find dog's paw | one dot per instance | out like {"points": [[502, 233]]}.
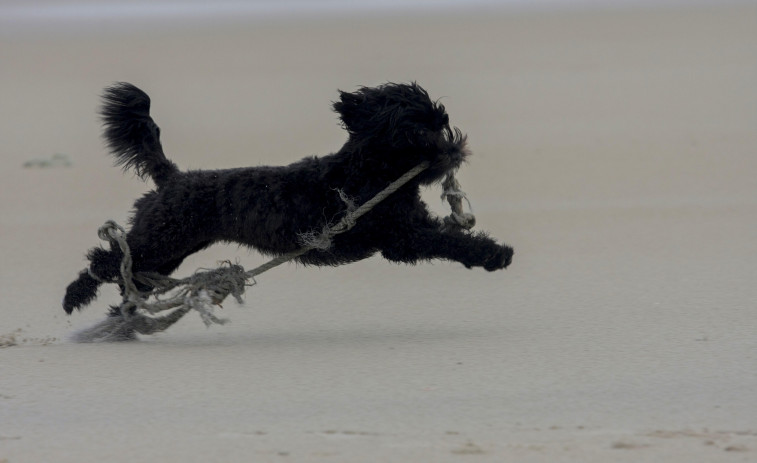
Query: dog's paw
{"points": [[80, 292], [499, 260]]}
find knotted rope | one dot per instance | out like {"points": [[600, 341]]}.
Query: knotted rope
{"points": [[454, 196], [209, 287]]}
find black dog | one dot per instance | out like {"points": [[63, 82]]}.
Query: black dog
{"points": [[392, 128]]}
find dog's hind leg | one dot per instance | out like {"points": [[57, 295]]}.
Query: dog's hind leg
{"points": [[104, 266], [167, 259], [80, 292]]}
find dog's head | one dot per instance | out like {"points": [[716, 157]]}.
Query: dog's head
{"points": [[397, 126]]}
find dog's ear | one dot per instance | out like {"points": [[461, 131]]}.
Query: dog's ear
{"points": [[350, 109]]}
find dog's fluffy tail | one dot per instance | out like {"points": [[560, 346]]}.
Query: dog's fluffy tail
{"points": [[132, 135]]}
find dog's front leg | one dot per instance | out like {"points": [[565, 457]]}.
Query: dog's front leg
{"points": [[470, 249]]}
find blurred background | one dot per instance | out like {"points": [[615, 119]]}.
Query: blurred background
{"points": [[614, 146]]}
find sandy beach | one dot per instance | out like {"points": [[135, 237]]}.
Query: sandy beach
{"points": [[615, 150]]}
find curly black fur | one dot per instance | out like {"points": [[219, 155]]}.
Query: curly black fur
{"points": [[392, 128], [132, 135]]}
